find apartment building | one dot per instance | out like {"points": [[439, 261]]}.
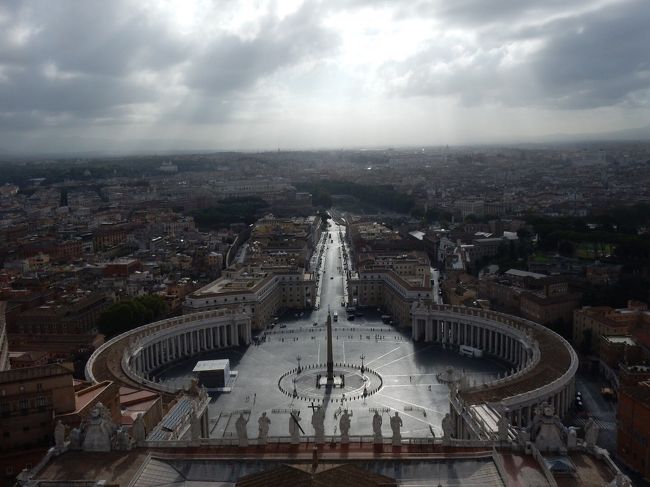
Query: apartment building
{"points": [[260, 291], [30, 397], [592, 322]]}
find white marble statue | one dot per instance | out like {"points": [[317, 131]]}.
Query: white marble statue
{"points": [[139, 431], [591, 432], [318, 423], [263, 428], [396, 425], [242, 433], [76, 439], [448, 427], [203, 393], [122, 440], [99, 430], [344, 427], [59, 435], [376, 427], [547, 431], [294, 427], [572, 438]]}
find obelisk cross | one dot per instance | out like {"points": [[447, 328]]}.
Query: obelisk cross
{"points": [[330, 360]]}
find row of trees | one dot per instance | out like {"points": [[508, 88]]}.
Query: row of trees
{"points": [[565, 234], [126, 315], [228, 211], [381, 196]]}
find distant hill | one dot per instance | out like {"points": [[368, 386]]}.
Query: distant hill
{"points": [[632, 134]]}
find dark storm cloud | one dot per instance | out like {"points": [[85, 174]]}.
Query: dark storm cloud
{"points": [[587, 60], [598, 59], [98, 37], [94, 51], [231, 63], [74, 60]]}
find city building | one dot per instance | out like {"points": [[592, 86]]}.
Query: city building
{"points": [[592, 322], [633, 431], [391, 281], [537, 297], [30, 398], [261, 292], [60, 326]]}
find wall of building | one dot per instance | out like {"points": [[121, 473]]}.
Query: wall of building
{"points": [[29, 400], [4, 342], [633, 438]]}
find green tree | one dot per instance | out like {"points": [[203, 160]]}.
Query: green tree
{"points": [[126, 315]]}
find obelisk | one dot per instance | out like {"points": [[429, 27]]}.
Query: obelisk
{"points": [[330, 360]]}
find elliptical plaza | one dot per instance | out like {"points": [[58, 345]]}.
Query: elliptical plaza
{"points": [[399, 375]]}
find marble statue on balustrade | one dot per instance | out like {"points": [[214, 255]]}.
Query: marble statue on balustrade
{"points": [[98, 430], [203, 394], [591, 432], [122, 441], [546, 430], [463, 383], [572, 438], [448, 427], [76, 439], [59, 436], [376, 427], [242, 432], [294, 426], [318, 423], [193, 389], [344, 427], [139, 431], [263, 428], [396, 425]]}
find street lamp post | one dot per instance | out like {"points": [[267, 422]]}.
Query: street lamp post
{"points": [[363, 357], [299, 358]]}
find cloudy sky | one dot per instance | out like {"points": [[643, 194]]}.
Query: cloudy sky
{"points": [[234, 74]]}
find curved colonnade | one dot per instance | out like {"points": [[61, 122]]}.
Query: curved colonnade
{"points": [[543, 365], [133, 357]]}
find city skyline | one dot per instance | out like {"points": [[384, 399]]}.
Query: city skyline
{"points": [[156, 76]]}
